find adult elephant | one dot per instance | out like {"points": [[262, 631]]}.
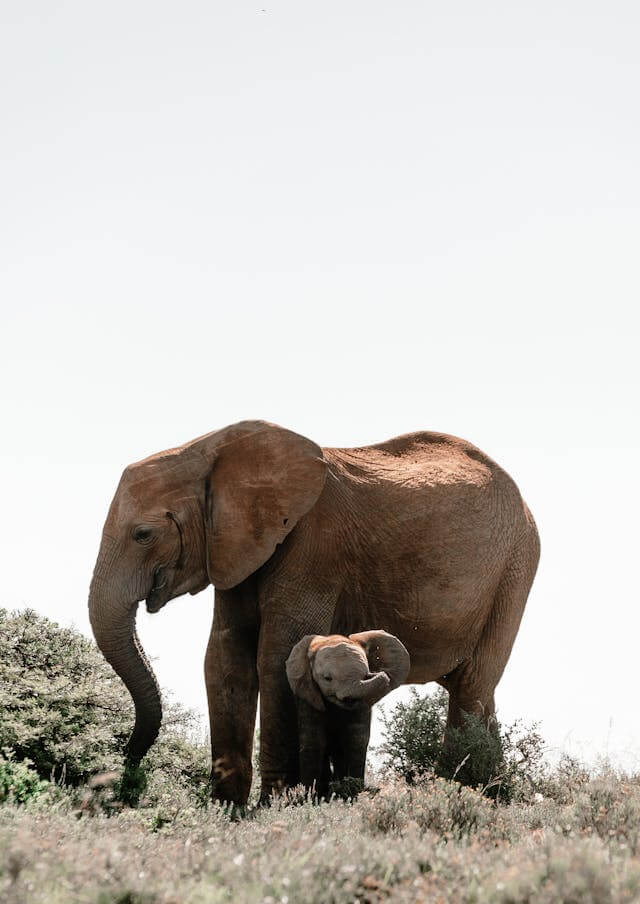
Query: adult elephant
{"points": [[423, 536]]}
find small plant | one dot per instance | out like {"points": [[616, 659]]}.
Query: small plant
{"points": [[126, 897], [566, 781], [610, 807], [388, 810], [19, 782], [450, 809], [432, 804], [473, 755], [572, 872], [413, 734], [505, 762]]}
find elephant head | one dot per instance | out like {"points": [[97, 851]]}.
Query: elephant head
{"points": [[347, 671], [211, 511]]}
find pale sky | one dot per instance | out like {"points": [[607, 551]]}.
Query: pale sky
{"points": [[354, 219]]}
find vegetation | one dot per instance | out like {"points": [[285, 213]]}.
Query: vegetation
{"points": [[65, 713], [19, 782], [433, 840], [506, 762], [549, 835]]}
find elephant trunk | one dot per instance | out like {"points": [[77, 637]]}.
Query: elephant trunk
{"points": [[114, 629], [370, 690]]}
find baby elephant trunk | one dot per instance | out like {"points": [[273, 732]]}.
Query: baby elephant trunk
{"points": [[369, 690]]}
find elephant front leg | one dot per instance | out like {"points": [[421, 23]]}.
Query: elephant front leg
{"points": [[349, 739], [279, 754], [232, 691]]}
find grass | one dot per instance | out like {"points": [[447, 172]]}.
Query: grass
{"points": [[538, 835], [434, 840]]}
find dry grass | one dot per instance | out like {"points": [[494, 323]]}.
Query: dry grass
{"points": [[565, 837], [579, 842]]}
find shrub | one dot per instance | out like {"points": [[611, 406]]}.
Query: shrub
{"points": [[19, 782], [413, 734], [433, 804], [450, 809], [387, 810], [64, 709], [565, 781], [473, 754], [571, 872], [506, 762], [610, 807]]}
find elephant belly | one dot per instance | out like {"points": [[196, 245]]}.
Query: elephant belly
{"points": [[432, 666], [439, 629], [432, 584]]}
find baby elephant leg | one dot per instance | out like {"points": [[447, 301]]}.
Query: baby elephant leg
{"points": [[348, 732], [313, 748]]}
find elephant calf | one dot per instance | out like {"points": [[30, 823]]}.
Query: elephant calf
{"points": [[336, 680]]}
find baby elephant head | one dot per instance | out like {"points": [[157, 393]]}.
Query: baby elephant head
{"points": [[348, 671]]}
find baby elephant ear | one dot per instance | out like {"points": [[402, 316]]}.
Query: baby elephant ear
{"points": [[385, 653], [299, 673]]}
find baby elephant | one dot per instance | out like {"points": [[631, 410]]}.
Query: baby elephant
{"points": [[336, 681]]}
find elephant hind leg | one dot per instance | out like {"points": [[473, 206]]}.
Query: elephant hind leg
{"points": [[471, 686]]}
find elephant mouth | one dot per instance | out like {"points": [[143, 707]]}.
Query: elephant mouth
{"points": [[349, 703], [159, 595]]}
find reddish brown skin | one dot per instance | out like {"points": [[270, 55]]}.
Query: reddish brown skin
{"points": [[423, 536]]}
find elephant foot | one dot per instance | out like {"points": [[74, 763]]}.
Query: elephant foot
{"points": [[346, 788], [230, 784]]}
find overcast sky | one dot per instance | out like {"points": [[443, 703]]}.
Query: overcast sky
{"points": [[355, 219]]}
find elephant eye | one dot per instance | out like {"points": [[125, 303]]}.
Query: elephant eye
{"points": [[328, 678], [142, 534]]}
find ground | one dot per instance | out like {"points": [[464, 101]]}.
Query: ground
{"points": [[576, 840]]}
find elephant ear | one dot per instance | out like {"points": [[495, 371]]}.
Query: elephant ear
{"points": [[261, 484], [385, 653], [299, 673]]}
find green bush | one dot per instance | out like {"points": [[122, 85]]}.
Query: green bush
{"points": [[19, 783], [505, 762], [64, 709], [473, 754], [413, 734]]}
